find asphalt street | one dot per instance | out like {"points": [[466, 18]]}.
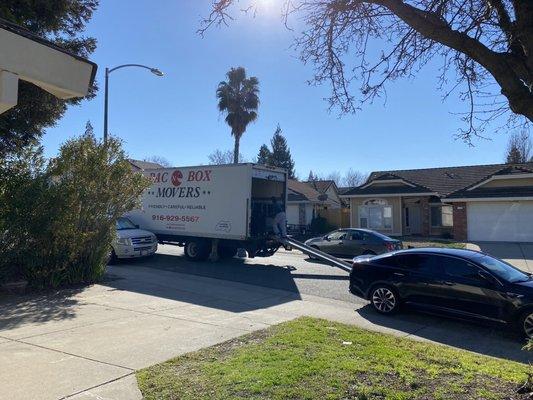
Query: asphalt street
{"points": [[286, 270]]}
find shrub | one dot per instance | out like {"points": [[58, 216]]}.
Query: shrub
{"points": [[60, 221], [321, 225]]}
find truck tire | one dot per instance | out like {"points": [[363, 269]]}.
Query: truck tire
{"points": [[196, 250], [226, 252]]}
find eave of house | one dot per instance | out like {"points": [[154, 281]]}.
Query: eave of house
{"points": [[389, 195], [382, 181], [500, 177], [26, 57]]}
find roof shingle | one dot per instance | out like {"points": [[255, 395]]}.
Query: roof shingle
{"points": [[444, 180], [300, 191]]}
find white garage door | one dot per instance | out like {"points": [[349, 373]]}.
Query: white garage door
{"points": [[500, 221]]}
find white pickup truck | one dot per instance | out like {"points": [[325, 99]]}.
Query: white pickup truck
{"points": [[221, 207]]}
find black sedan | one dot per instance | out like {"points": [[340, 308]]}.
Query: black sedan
{"points": [[459, 283], [352, 242]]}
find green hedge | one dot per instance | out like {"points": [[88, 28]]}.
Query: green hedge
{"points": [[57, 220]]}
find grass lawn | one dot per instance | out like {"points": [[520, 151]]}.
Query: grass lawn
{"points": [[317, 359], [431, 242]]}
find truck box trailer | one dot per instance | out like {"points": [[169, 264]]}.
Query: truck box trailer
{"points": [[227, 206]]}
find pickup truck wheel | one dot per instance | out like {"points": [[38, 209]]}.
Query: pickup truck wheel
{"points": [[196, 250]]}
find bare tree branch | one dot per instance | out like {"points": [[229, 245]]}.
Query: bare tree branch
{"points": [[486, 45]]}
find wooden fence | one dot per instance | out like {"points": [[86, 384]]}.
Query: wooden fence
{"points": [[339, 217]]}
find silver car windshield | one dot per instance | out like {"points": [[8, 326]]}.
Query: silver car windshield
{"points": [[125, 223]]}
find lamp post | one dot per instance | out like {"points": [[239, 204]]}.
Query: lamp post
{"points": [[154, 71]]}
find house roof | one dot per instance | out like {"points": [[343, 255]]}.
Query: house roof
{"points": [[19, 30], [321, 186], [143, 165], [302, 192], [443, 181], [343, 189]]}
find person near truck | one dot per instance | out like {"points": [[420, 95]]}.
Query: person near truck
{"points": [[280, 219]]}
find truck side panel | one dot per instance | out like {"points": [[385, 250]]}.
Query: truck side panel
{"points": [[208, 201]]}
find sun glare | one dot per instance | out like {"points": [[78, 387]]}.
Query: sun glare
{"points": [[267, 7]]}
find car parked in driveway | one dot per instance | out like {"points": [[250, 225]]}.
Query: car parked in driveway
{"points": [[351, 242], [458, 283], [132, 242]]}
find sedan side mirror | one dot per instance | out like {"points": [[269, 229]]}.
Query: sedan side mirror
{"points": [[137, 226], [326, 238]]}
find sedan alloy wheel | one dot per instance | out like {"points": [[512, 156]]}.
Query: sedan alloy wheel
{"points": [[384, 300], [528, 325]]}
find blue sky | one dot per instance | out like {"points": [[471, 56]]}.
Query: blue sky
{"points": [[176, 117]]}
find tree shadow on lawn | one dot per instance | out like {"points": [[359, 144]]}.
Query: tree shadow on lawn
{"points": [[16, 310], [494, 341]]}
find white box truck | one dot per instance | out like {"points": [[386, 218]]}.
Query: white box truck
{"points": [[227, 206]]}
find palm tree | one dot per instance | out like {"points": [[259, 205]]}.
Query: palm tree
{"points": [[238, 97]]}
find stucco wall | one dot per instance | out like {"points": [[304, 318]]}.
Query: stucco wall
{"points": [[395, 202], [293, 213], [332, 195]]}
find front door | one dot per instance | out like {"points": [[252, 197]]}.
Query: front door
{"points": [[413, 219]]}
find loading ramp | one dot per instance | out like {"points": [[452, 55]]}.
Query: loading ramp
{"points": [[315, 253]]}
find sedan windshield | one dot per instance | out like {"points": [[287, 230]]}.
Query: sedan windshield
{"points": [[502, 270], [125, 223]]}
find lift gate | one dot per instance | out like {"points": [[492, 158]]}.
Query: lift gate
{"points": [[311, 251]]}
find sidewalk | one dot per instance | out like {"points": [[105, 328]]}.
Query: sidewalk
{"points": [[86, 344]]}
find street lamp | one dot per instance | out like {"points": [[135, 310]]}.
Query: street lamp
{"points": [[154, 71]]}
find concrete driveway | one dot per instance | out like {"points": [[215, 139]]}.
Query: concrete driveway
{"points": [[518, 254], [87, 343]]}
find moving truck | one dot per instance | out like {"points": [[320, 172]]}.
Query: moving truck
{"points": [[214, 207]]}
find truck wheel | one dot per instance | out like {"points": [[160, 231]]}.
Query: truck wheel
{"points": [[196, 250], [226, 252]]}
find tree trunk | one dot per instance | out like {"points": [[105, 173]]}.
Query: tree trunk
{"points": [[236, 150]]}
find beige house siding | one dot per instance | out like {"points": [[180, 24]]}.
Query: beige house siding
{"points": [[395, 202], [518, 182], [332, 194]]}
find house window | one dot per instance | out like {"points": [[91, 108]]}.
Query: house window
{"points": [[375, 217], [441, 216], [407, 217]]}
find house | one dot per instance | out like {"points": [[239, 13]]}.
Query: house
{"points": [[329, 189], [335, 209], [25, 56], [303, 203], [139, 165], [475, 203]]}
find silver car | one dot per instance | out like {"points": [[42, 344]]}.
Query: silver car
{"points": [[132, 242], [352, 242]]}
